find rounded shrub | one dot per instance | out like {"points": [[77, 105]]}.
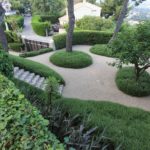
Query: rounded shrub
{"points": [[126, 82], [83, 37], [73, 59], [40, 27]]}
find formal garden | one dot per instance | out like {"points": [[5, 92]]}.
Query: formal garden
{"points": [[90, 90]]}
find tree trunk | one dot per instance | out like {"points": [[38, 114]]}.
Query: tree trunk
{"points": [[3, 38], [71, 16], [120, 19]]}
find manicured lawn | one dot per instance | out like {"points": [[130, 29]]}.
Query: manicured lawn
{"points": [[126, 82], [124, 125], [73, 59]]}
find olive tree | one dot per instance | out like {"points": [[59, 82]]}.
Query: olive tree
{"points": [[133, 47]]}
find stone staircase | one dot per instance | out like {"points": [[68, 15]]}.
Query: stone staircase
{"points": [[32, 79]]}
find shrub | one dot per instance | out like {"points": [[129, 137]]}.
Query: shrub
{"points": [[18, 47], [12, 37], [35, 53], [83, 37], [35, 68], [124, 125], [6, 67], [52, 18], [73, 59], [94, 23], [126, 82], [15, 22], [40, 27], [21, 125]]}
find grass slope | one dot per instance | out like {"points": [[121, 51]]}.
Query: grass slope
{"points": [[124, 125]]}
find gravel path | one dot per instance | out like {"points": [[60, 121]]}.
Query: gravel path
{"points": [[96, 82]]}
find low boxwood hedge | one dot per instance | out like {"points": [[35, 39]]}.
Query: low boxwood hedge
{"points": [[35, 67], [17, 47], [83, 37], [40, 27], [35, 53], [21, 124], [73, 59], [126, 82]]}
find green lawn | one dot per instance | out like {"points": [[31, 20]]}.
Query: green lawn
{"points": [[124, 125]]}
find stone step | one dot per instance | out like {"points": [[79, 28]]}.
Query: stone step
{"points": [[29, 78], [24, 75], [35, 80], [19, 73], [40, 82], [16, 69]]}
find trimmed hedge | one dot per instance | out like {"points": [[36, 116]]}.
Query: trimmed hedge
{"points": [[17, 47], [75, 59], [35, 67], [21, 124], [40, 27], [126, 126], [35, 53], [83, 37], [126, 82]]}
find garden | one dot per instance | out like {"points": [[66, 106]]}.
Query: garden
{"points": [[42, 117]]}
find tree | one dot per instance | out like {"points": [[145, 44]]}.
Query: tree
{"points": [[71, 16], [133, 47], [3, 38], [122, 15], [111, 8]]}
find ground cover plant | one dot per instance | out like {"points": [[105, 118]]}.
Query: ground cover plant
{"points": [[126, 82], [124, 125], [35, 67], [73, 59], [35, 53], [21, 124]]}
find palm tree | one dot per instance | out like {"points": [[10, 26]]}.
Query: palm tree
{"points": [[71, 16], [3, 38]]}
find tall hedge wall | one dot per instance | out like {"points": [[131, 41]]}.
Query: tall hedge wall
{"points": [[40, 27], [83, 37], [21, 125]]}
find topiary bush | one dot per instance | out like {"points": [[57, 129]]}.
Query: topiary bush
{"points": [[83, 37], [6, 66], [40, 27], [21, 124], [52, 18], [126, 82], [73, 59], [35, 53], [17, 47]]}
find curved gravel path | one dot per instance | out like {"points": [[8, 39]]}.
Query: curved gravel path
{"points": [[96, 82]]}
